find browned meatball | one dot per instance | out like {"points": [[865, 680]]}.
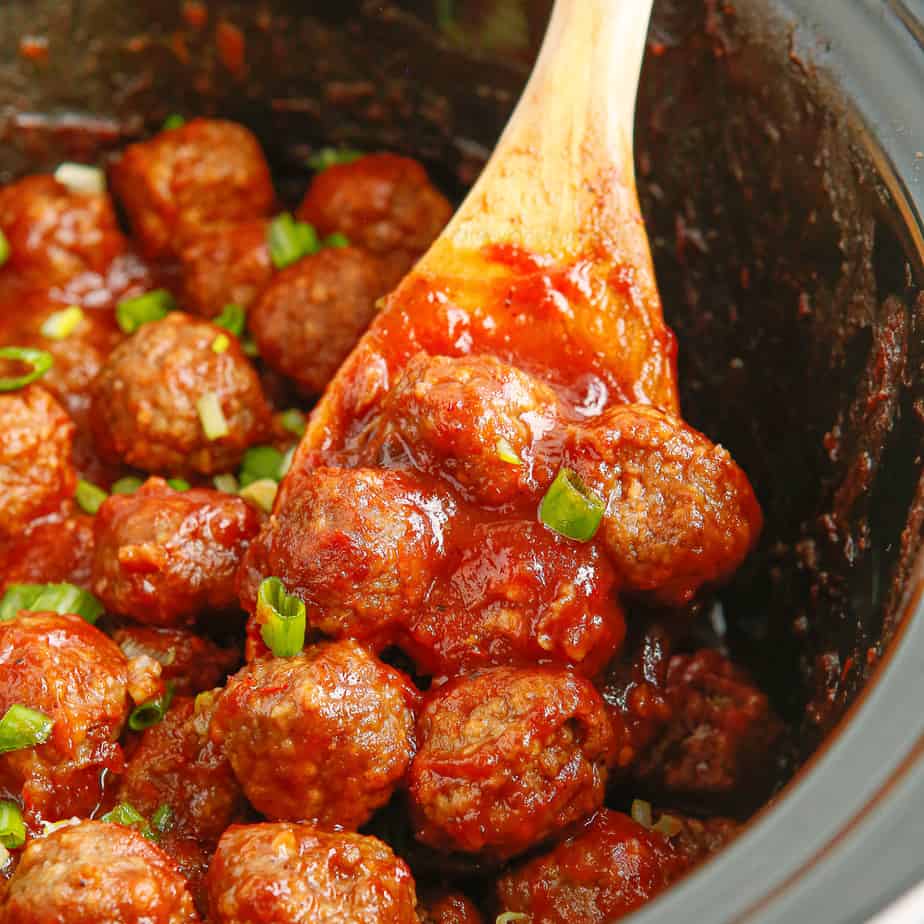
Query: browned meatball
{"points": [[694, 838], [311, 315], [36, 472], [162, 556], [92, 873], [66, 669], [175, 185], [145, 400], [381, 202], [361, 547], [192, 663], [177, 765], [53, 550], [519, 595], [54, 233], [679, 514], [325, 736], [294, 874], [508, 758], [448, 908], [227, 263], [474, 420], [596, 875]]}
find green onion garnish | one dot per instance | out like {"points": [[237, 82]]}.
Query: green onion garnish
{"points": [[293, 420], [331, 157], [232, 319], [129, 817], [49, 598], [212, 417], [571, 508], [18, 597], [179, 484], [127, 485], [152, 712], [511, 917], [174, 120], [260, 462], [62, 324], [249, 346], [262, 493], [227, 483], [81, 179], [12, 826], [89, 497], [4, 249], [40, 361], [337, 239], [290, 240], [281, 616], [641, 812], [506, 454], [131, 313], [668, 825], [22, 727], [220, 344], [162, 819], [286, 462]]}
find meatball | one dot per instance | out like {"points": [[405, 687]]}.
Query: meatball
{"points": [[448, 908], [474, 420], [54, 233], [598, 874], [36, 472], [679, 512], [227, 263], [519, 595], [53, 550], [162, 556], [68, 670], [145, 400], [325, 736], [294, 874], [176, 764], [508, 758], [310, 316], [96, 872], [177, 184], [696, 839], [192, 663], [361, 547]]}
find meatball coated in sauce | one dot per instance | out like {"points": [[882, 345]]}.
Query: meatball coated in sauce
{"points": [[383, 203], [145, 400], [361, 547], [162, 556], [53, 550], [178, 183], [680, 514], [520, 594], [310, 316], [507, 758], [96, 873], [599, 873], [474, 420], [295, 874], [36, 472], [325, 736], [68, 670], [448, 908]]}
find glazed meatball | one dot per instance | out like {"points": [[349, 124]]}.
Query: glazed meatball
{"points": [[53, 550], [176, 764], [68, 670], [177, 184], [162, 556], [228, 263], [361, 547], [36, 472], [145, 400], [96, 872], [474, 420], [295, 874], [679, 511], [310, 316], [190, 662], [382, 203], [54, 233], [448, 908], [519, 595], [324, 737], [508, 758], [598, 874]]}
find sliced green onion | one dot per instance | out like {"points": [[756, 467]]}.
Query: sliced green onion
{"points": [[571, 508], [129, 817], [49, 827], [220, 344], [232, 319], [81, 179], [286, 462], [62, 324], [337, 239], [204, 701], [4, 249], [179, 484], [212, 417], [22, 727], [290, 240], [262, 493], [174, 120], [89, 497], [227, 483], [331, 157], [131, 313], [12, 826], [506, 454], [641, 812], [249, 346], [260, 462], [40, 361], [293, 420], [668, 825], [127, 485], [511, 917], [162, 819], [152, 712], [282, 620], [18, 597], [68, 598]]}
